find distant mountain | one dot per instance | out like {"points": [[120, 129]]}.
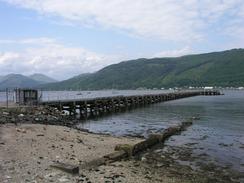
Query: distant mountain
{"points": [[17, 81], [42, 78], [12, 81], [224, 68]]}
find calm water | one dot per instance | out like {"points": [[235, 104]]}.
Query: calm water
{"points": [[219, 133]]}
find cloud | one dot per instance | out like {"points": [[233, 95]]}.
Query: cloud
{"points": [[52, 58], [180, 21], [7, 56], [174, 53]]}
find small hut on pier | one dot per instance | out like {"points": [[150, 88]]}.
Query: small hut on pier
{"points": [[26, 96]]}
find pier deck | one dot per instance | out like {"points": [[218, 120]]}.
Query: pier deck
{"points": [[91, 107]]}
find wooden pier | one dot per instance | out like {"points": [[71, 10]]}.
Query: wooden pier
{"points": [[94, 107]]}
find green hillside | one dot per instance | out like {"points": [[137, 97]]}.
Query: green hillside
{"points": [[213, 69]]}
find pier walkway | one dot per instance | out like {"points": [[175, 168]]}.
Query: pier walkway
{"points": [[91, 107]]}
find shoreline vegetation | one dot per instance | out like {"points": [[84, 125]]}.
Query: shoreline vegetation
{"points": [[33, 139]]}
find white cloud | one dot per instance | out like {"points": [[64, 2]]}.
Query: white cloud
{"points": [[174, 53], [7, 56], [184, 20], [51, 58]]}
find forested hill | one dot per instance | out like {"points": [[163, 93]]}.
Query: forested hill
{"points": [[224, 68]]}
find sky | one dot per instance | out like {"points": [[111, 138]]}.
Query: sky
{"points": [[64, 38]]}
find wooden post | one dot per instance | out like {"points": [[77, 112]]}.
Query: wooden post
{"points": [[85, 110], [60, 106], [7, 97], [74, 108], [80, 110]]}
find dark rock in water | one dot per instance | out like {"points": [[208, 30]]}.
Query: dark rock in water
{"points": [[223, 144], [186, 123], [191, 144], [195, 118], [203, 137]]}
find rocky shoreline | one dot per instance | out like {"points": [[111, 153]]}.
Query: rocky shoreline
{"points": [[32, 139], [36, 115]]}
